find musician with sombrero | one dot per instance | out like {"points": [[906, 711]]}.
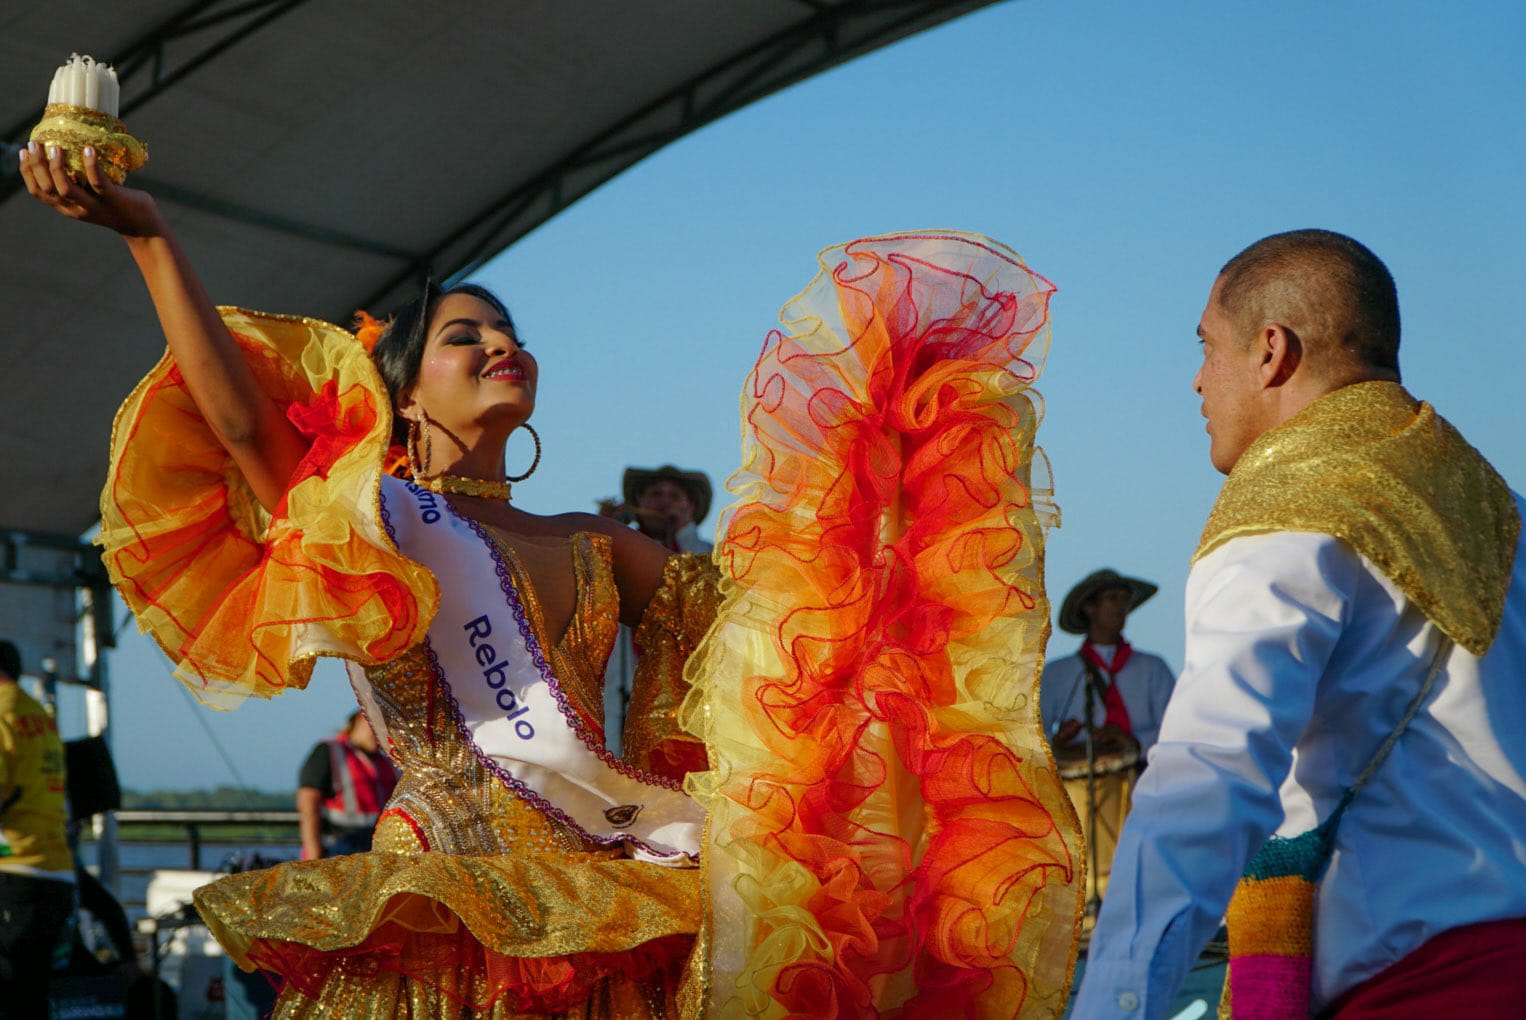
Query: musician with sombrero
{"points": [[665, 503], [1126, 700]]}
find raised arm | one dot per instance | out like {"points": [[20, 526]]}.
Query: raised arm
{"points": [[251, 426]]}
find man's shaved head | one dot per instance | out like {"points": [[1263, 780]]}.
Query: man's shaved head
{"points": [[1330, 291]]}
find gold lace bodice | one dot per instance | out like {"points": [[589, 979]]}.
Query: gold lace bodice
{"points": [[447, 799]]}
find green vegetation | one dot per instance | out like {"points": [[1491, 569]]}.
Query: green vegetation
{"points": [[223, 798]]}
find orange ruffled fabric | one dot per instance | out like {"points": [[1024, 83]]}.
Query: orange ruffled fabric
{"points": [[240, 602], [887, 832]]}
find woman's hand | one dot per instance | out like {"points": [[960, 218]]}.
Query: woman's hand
{"points": [[1068, 732], [128, 211]]}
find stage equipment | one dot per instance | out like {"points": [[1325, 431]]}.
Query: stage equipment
{"points": [[1099, 779]]}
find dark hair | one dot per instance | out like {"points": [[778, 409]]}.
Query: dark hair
{"points": [[400, 349], [1329, 288], [10, 660]]}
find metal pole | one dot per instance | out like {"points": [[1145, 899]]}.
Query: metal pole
{"points": [[97, 616], [1093, 898], [49, 688]]}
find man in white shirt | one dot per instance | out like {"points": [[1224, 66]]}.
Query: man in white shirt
{"points": [[1098, 607], [1360, 566], [1128, 694], [668, 504]]}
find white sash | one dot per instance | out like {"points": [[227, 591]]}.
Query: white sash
{"points": [[508, 704]]}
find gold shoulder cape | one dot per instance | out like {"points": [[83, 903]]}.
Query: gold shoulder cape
{"points": [[1384, 473]]}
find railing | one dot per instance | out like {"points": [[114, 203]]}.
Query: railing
{"points": [[198, 830], [193, 822], [151, 840]]}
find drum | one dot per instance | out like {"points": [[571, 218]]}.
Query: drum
{"points": [[1071, 760], [1116, 769]]}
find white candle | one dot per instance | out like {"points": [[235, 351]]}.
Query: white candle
{"points": [[111, 90], [82, 81], [92, 84], [76, 94]]}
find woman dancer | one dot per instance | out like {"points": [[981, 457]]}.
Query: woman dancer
{"points": [[879, 818]]}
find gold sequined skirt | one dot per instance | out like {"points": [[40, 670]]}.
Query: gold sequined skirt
{"points": [[433, 934]]}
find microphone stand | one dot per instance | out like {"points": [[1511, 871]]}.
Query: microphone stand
{"points": [[1093, 899]]}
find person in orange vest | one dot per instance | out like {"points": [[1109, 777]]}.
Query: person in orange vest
{"points": [[343, 786], [36, 867]]}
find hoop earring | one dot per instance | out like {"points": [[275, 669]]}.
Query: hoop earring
{"points": [[415, 468], [534, 463]]}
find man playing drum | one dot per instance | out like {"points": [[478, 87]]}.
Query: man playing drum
{"points": [[1129, 691]]}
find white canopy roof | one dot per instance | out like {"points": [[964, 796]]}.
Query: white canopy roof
{"points": [[321, 157]]}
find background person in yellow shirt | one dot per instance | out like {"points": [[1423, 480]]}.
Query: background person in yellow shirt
{"points": [[36, 869]]}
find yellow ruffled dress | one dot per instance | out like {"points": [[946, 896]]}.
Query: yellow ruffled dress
{"points": [[473, 900], [885, 834]]}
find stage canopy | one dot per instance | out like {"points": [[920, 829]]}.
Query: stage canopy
{"points": [[322, 157]]}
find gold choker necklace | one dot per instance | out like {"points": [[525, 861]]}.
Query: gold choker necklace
{"points": [[460, 485]]}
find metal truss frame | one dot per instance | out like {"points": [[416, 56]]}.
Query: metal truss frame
{"points": [[833, 34], [88, 573], [165, 55], [199, 33], [89, 579]]}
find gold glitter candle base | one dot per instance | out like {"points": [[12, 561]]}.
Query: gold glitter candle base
{"points": [[74, 127]]}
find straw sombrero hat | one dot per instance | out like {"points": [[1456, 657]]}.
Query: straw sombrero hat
{"points": [[1073, 621], [695, 483]]}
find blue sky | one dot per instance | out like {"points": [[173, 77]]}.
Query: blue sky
{"points": [[1126, 150]]}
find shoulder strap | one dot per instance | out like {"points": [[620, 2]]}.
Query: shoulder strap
{"points": [[342, 781], [1381, 754]]}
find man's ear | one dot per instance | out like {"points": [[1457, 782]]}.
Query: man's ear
{"points": [[1281, 354]]}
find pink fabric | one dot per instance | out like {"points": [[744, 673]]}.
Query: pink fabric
{"points": [[1267, 987]]}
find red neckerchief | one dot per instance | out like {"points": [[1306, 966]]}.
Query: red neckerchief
{"points": [[1117, 712]]}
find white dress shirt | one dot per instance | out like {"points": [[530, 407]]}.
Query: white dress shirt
{"points": [[1301, 658], [687, 540], [1144, 682]]}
